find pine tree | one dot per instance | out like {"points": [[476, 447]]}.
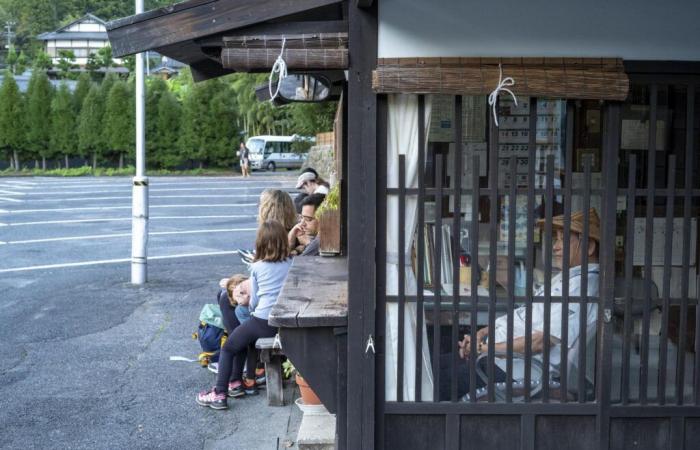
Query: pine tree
{"points": [[118, 121], [164, 150], [155, 88], [11, 119], [90, 136], [63, 123], [81, 90], [38, 111]]}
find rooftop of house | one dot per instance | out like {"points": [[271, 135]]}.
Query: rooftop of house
{"points": [[73, 30]]}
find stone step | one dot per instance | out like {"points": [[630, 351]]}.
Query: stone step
{"points": [[317, 432]]}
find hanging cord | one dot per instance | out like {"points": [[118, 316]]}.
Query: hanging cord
{"points": [[280, 67], [503, 84]]}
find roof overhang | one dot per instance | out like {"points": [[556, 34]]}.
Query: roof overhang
{"points": [[193, 32]]}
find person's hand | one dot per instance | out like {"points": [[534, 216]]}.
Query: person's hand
{"points": [[241, 294], [465, 344], [304, 239], [294, 234], [223, 282]]}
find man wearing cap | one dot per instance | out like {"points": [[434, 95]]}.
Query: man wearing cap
{"points": [[311, 183], [499, 333]]}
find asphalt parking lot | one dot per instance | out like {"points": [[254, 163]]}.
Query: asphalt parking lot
{"points": [[84, 360]]}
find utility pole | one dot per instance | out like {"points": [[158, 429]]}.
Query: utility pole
{"points": [[139, 205], [9, 34]]}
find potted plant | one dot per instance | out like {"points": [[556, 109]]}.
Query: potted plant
{"points": [[308, 396], [328, 215]]}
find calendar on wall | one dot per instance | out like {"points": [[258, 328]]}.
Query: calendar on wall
{"points": [[514, 138]]}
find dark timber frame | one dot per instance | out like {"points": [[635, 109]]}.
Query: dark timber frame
{"points": [[552, 422]]}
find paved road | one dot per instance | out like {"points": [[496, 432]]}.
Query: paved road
{"points": [[84, 354]]}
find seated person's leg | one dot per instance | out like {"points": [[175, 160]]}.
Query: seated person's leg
{"points": [[234, 351], [231, 320]]}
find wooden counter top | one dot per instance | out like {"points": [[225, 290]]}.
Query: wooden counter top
{"points": [[315, 294]]}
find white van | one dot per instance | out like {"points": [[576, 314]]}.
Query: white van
{"points": [[275, 152]]}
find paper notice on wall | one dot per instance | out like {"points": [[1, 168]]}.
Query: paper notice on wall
{"points": [[658, 241], [635, 134]]}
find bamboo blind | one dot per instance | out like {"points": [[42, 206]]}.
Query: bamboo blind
{"points": [[243, 59], [582, 78], [322, 51]]}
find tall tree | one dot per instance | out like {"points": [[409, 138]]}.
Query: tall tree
{"points": [[11, 119], [39, 95], [118, 121], [164, 148], [81, 90], [90, 136], [63, 123]]}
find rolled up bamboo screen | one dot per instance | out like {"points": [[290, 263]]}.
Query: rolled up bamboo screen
{"points": [[322, 51], [581, 78]]}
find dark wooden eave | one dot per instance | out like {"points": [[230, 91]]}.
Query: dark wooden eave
{"points": [[196, 19]]}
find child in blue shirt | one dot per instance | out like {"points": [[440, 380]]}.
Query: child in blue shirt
{"points": [[268, 272]]}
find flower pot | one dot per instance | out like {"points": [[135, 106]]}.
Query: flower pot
{"points": [[307, 394], [329, 233]]}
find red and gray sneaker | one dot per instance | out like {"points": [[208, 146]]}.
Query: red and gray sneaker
{"points": [[237, 389], [212, 399]]}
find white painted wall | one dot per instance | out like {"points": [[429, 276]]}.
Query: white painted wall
{"points": [[631, 29]]}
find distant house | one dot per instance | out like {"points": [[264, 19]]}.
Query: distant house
{"points": [[22, 81], [83, 37]]}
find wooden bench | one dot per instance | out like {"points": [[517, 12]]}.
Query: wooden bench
{"points": [[271, 354]]}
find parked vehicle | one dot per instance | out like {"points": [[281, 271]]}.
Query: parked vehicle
{"points": [[277, 152]]}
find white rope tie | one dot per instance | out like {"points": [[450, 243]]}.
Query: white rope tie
{"points": [[503, 84], [280, 67]]}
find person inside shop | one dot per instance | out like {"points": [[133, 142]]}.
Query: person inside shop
{"points": [[303, 238], [499, 333]]}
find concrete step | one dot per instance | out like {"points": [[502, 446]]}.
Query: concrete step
{"points": [[317, 432]]}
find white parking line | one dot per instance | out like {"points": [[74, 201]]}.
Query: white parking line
{"points": [[125, 219], [152, 183], [82, 199], [126, 188], [21, 183], [12, 192], [114, 261], [118, 235], [104, 208], [14, 200]]}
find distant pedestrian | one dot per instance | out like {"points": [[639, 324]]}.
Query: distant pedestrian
{"points": [[244, 158]]}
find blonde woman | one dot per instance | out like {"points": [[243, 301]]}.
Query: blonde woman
{"points": [[277, 205]]}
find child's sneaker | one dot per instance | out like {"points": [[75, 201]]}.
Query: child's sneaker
{"points": [[260, 378], [237, 389], [212, 399]]}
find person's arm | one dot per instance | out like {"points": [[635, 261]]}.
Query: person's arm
{"points": [[293, 235], [519, 344]]}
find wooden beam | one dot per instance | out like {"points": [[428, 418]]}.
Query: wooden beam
{"points": [[363, 240], [363, 3], [278, 29], [198, 18]]}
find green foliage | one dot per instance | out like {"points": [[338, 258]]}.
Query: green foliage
{"points": [[104, 57], [21, 64], [11, 115], [66, 63], [165, 151], [332, 201], [11, 59], [42, 61], [38, 134], [90, 123], [82, 88], [63, 122], [118, 122]]}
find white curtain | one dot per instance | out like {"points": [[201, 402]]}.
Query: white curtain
{"points": [[403, 140]]}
